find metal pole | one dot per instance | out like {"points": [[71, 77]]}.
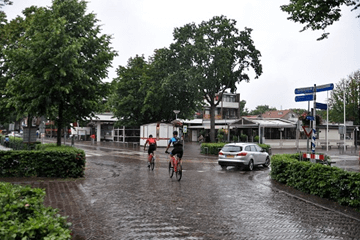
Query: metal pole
{"points": [[314, 123], [327, 122], [307, 139], [344, 121]]}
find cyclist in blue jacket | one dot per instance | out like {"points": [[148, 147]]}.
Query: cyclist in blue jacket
{"points": [[178, 146]]}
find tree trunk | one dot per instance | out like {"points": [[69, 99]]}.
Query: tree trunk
{"points": [[212, 123], [59, 125]]}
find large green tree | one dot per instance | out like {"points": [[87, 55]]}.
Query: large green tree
{"points": [[10, 35], [351, 86], [214, 56], [59, 64], [143, 93], [317, 14]]}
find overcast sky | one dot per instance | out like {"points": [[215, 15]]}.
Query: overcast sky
{"points": [[290, 59]]}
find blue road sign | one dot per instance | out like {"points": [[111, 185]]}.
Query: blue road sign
{"points": [[311, 118], [322, 106], [303, 98], [326, 87], [304, 90], [319, 88]]}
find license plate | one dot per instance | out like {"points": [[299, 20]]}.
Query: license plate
{"points": [[230, 156]]}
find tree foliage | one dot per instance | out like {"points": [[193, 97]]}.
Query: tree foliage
{"points": [[144, 93], [317, 14], [10, 35], [5, 2], [59, 63], [261, 109], [351, 86], [243, 111], [214, 56]]}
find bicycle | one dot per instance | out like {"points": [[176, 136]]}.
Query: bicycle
{"points": [[177, 168], [152, 162]]}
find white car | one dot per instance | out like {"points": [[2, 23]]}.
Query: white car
{"points": [[243, 155]]}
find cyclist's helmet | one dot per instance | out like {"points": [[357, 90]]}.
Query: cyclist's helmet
{"points": [[175, 133], [150, 136]]}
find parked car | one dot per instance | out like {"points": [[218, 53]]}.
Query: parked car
{"points": [[243, 155], [16, 134]]}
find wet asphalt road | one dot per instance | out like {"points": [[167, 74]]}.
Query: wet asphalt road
{"points": [[127, 201], [121, 199]]}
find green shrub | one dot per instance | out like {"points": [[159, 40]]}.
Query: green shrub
{"points": [[266, 147], [317, 179], [23, 215], [17, 143], [256, 139], [213, 148], [243, 137], [50, 161], [235, 138]]}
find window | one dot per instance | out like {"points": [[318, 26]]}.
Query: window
{"points": [[258, 149], [232, 149]]}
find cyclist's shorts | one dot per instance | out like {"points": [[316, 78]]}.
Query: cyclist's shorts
{"points": [[178, 151], [152, 148]]}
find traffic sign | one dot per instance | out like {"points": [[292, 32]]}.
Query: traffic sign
{"points": [[304, 90], [319, 88], [303, 98], [322, 106], [325, 87], [311, 118]]}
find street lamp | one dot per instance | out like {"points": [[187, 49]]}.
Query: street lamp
{"points": [[176, 112]]}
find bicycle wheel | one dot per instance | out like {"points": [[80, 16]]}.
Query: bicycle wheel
{"points": [[178, 172], [171, 170], [152, 163]]}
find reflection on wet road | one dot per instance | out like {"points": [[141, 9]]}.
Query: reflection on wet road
{"points": [[131, 202]]}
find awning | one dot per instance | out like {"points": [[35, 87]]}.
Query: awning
{"points": [[266, 122]]}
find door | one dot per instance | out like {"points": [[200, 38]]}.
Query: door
{"points": [[194, 135]]}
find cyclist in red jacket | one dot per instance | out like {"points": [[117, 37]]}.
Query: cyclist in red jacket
{"points": [[152, 147]]}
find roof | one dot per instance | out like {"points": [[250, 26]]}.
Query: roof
{"points": [[267, 122], [105, 117], [276, 113]]}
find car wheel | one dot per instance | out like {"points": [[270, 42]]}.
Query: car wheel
{"points": [[267, 162], [223, 167], [251, 165]]}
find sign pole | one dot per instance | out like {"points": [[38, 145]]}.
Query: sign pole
{"points": [[314, 123], [307, 139], [344, 121], [327, 122]]}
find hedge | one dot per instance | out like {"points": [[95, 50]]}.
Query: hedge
{"points": [[321, 180], [23, 215], [213, 148], [17, 143], [50, 161]]}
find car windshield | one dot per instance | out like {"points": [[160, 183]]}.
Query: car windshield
{"points": [[232, 149]]}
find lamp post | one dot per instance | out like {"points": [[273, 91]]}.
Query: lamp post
{"points": [[176, 112]]}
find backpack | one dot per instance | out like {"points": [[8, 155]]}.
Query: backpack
{"points": [[177, 142]]}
